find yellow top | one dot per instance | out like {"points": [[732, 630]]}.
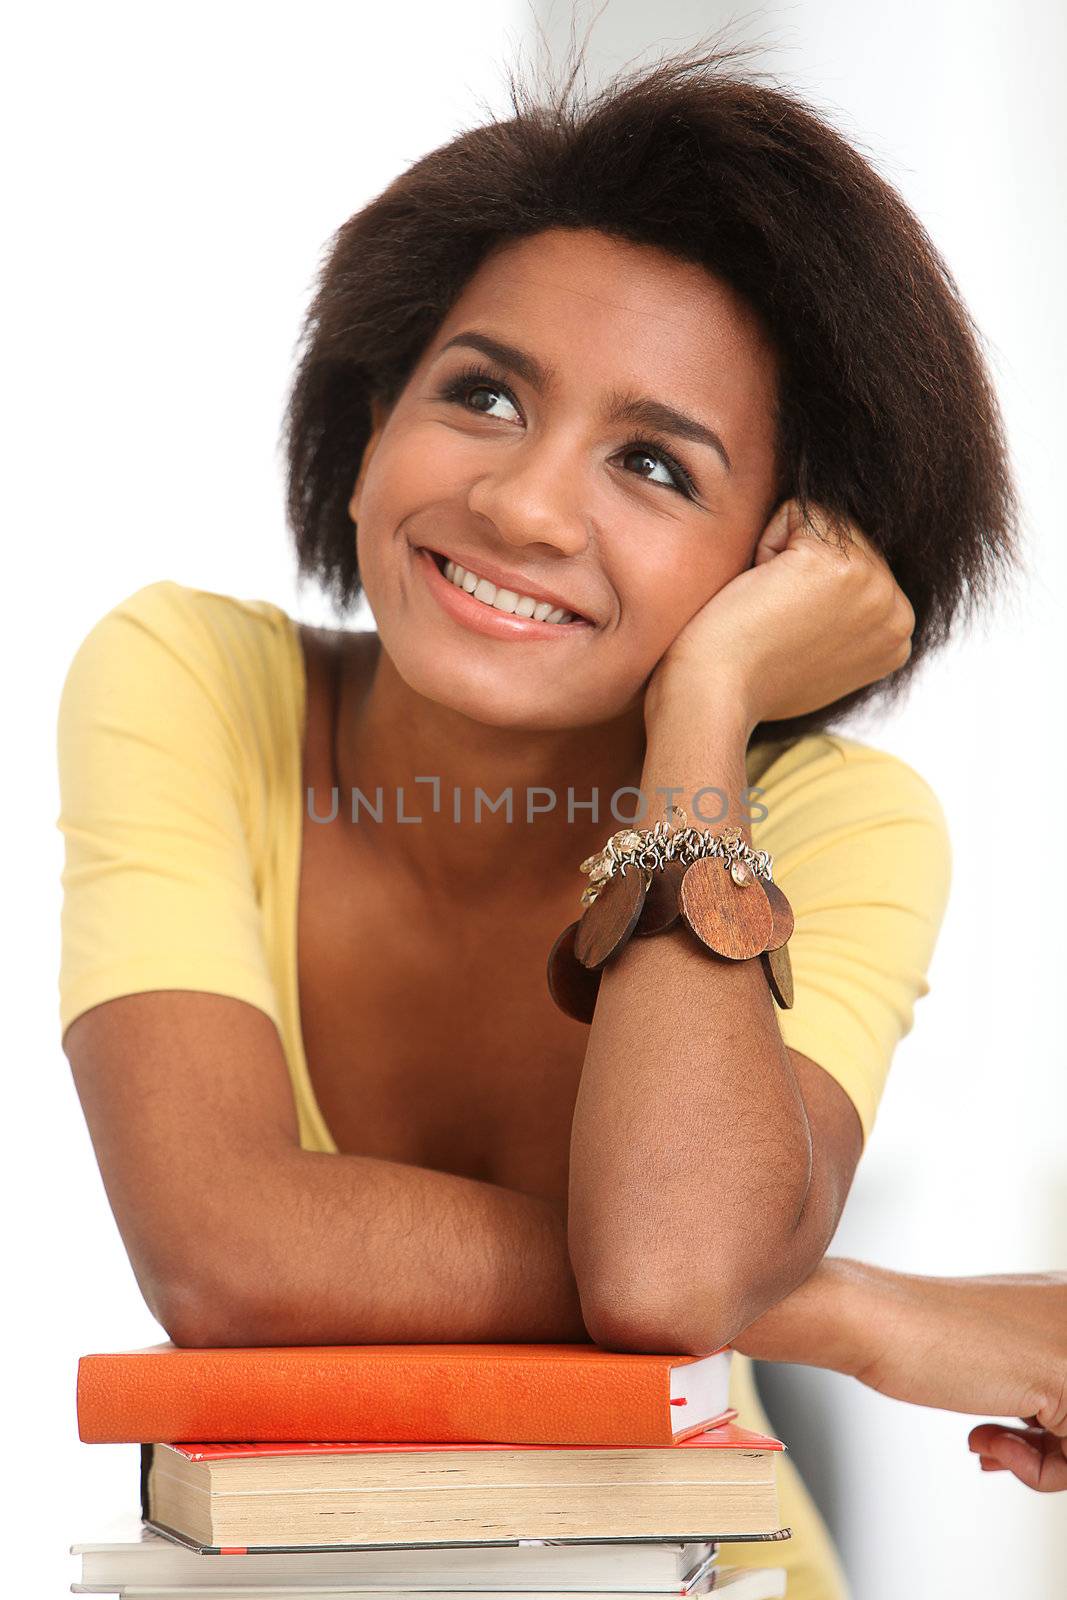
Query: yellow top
{"points": [[180, 734]]}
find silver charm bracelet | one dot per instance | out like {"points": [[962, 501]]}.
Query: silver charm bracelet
{"points": [[652, 848]]}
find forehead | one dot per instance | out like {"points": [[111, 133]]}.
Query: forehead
{"points": [[589, 303]]}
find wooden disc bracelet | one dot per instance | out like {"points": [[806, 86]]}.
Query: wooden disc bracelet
{"points": [[645, 880]]}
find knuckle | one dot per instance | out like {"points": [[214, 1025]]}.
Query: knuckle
{"points": [[905, 613], [902, 654], [1052, 1414], [1050, 1409]]}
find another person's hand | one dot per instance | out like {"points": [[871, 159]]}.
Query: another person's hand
{"points": [[992, 1345], [1035, 1455], [806, 624]]}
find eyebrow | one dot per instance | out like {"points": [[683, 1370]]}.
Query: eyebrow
{"points": [[640, 410]]}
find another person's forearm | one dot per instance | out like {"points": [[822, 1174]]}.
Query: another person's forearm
{"points": [[994, 1345], [825, 1320], [348, 1249]]}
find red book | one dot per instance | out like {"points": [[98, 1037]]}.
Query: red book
{"points": [[727, 1435], [538, 1394]]}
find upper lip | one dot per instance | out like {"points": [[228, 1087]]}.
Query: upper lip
{"points": [[503, 579]]}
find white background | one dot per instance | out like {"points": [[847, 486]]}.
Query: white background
{"points": [[176, 173]]}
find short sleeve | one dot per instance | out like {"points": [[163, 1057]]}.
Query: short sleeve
{"points": [[862, 851], [158, 887]]}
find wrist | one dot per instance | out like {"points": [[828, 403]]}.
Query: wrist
{"points": [[676, 696], [834, 1319], [695, 758], [872, 1303]]}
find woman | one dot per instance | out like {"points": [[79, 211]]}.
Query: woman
{"points": [[657, 437]]}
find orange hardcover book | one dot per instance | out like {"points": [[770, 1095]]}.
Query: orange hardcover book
{"points": [[548, 1394]]}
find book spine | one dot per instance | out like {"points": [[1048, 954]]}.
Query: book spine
{"points": [[373, 1394], [146, 1462]]}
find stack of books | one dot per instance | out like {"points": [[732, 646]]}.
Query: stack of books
{"points": [[428, 1470]]}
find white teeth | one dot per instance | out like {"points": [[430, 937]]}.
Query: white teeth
{"points": [[506, 600]]}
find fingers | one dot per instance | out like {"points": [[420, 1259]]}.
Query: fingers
{"points": [[820, 526], [776, 535], [986, 1434], [1033, 1455], [1045, 1471], [788, 524]]}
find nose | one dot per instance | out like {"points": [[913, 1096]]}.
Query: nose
{"points": [[533, 495]]}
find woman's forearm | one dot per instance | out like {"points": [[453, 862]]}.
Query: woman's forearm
{"points": [[351, 1249], [340, 1249], [348, 1249], [691, 1153]]}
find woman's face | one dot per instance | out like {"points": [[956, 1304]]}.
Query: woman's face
{"points": [[592, 424]]}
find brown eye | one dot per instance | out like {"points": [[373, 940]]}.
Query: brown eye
{"points": [[481, 392], [656, 466], [483, 398]]}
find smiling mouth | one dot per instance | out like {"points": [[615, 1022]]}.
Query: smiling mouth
{"points": [[487, 592]]}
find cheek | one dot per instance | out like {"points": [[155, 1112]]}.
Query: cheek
{"points": [[663, 591], [394, 486], [414, 466]]}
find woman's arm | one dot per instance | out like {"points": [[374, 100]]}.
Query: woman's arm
{"points": [[693, 1157], [237, 1236], [700, 1193]]}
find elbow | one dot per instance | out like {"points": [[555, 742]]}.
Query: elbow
{"points": [[200, 1316], [626, 1307], [182, 1314], [640, 1323], [197, 1322], [189, 1327], [634, 1312]]}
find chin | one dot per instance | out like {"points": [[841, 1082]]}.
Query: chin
{"points": [[492, 696]]}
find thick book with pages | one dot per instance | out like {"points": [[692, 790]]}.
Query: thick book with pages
{"points": [[719, 1484]]}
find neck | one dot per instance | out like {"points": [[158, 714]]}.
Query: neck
{"points": [[386, 737]]}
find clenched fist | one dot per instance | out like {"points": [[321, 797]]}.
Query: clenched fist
{"points": [[805, 625]]}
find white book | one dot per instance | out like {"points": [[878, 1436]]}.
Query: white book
{"points": [[132, 1557], [739, 1583]]}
